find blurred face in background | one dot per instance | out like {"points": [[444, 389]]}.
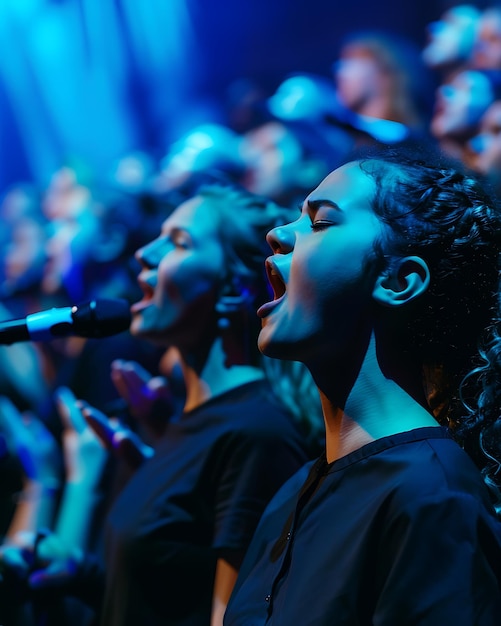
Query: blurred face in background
{"points": [[22, 239], [271, 154], [487, 50], [24, 256], [451, 38], [358, 77], [65, 197], [72, 230], [487, 144], [460, 104], [206, 147], [69, 247]]}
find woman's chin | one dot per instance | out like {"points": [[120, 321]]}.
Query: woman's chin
{"points": [[139, 329], [136, 327], [269, 346]]}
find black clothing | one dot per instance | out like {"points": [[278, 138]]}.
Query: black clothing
{"points": [[199, 498], [399, 532]]}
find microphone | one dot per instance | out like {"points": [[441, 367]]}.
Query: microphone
{"points": [[93, 319]]}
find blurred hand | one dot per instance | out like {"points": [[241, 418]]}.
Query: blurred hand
{"points": [[42, 559], [55, 564], [116, 437], [84, 455], [150, 399], [15, 560], [15, 565], [29, 439]]}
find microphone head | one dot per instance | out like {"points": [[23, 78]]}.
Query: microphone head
{"points": [[101, 318]]}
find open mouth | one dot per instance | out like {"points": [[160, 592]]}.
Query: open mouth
{"points": [[275, 279], [148, 292], [277, 284]]}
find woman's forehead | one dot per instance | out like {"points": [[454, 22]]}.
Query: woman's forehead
{"points": [[188, 211], [346, 183]]}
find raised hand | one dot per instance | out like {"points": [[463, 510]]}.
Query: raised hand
{"points": [[84, 456], [126, 444], [149, 398], [41, 560], [30, 440], [55, 564], [85, 460]]}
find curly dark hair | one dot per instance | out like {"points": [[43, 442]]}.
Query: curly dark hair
{"points": [[443, 215], [245, 220]]}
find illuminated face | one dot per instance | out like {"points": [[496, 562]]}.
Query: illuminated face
{"points": [[68, 249], [487, 144], [182, 272], [451, 38], [272, 156], [487, 49], [206, 147], [358, 78], [65, 198], [25, 254], [319, 272], [460, 104]]}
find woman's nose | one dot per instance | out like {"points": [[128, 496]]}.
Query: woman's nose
{"points": [[281, 239], [146, 256]]}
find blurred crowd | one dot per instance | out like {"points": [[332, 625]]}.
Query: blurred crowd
{"points": [[75, 241]]}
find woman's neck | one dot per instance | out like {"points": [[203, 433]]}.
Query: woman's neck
{"points": [[215, 376], [375, 406]]}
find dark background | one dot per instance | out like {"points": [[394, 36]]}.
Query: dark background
{"points": [[86, 81]]}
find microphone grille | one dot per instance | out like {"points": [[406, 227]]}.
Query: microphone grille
{"points": [[101, 318]]}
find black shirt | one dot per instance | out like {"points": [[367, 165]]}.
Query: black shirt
{"points": [[400, 532], [200, 497]]}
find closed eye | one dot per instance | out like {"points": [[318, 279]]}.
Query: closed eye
{"points": [[321, 225], [180, 238]]}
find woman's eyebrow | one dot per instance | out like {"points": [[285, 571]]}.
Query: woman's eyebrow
{"points": [[314, 205]]}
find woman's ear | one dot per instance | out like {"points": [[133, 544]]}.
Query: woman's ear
{"points": [[408, 278]]}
